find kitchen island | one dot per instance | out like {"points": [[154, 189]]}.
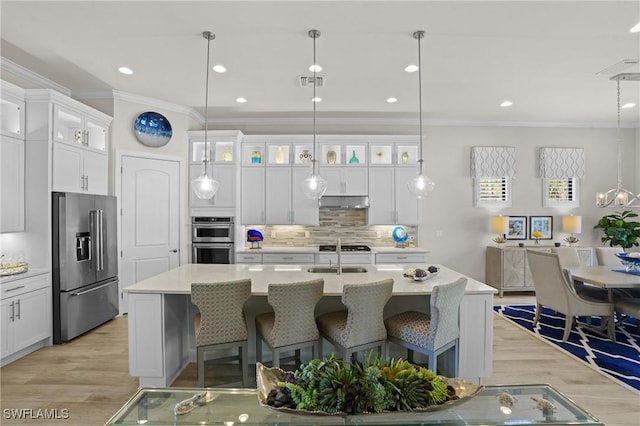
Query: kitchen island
{"points": [[161, 336]]}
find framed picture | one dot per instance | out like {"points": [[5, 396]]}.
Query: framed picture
{"points": [[541, 224], [517, 228]]}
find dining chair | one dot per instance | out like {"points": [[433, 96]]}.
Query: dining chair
{"points": [[434, 333], [221, 323], [554, 291], [606, 256], [292, 324], [361, 326], [569, 257]]}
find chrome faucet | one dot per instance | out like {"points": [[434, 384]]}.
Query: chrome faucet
{"points": [[338, 250]]}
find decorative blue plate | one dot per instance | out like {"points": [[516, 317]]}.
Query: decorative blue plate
{"points": [[152, 129], [399, 234], [631, 264]]}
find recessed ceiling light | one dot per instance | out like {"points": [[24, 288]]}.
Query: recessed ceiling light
{"points": [[125, 70], [219, 68], [316, 99], [635, 29], [315, 68], [506, 104], [392, 100], [628, 105], [411, 68], [241, 100]]}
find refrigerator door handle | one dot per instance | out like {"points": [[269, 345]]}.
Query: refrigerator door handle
{"points": [[97, 234], [80, 293]]}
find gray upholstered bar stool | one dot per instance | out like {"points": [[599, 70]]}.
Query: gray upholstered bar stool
{"points": [[361, 326], [434, 333], [292, 324], [221, 323]]}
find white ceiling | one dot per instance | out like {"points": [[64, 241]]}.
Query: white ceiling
{"points": [[543, 56]]}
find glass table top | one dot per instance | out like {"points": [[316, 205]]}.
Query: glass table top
{"points": [[494, 405]]}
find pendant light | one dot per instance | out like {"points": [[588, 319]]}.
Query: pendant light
{"points": [[618, 196], [314, 186], [422, 185], [204, 186]]}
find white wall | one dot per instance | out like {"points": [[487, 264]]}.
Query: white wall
{"points": [[466, 230]]}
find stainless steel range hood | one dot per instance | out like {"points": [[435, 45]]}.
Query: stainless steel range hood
{"points": [[344, 202]]}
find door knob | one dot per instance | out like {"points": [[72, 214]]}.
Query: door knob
{"points": [[174, 251]]}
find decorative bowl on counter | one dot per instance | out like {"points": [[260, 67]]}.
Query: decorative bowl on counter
{"points": [[631, 261], [419, 274], [13, 268]]}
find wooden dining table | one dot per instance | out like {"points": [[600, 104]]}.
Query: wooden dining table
{"points": [[607, 277]]}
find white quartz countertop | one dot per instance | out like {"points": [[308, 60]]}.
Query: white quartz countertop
{"points": [[178, 280], [30, 273], [289, 250]]}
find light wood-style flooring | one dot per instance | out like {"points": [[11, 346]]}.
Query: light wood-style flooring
{"points": [[89, 376]]}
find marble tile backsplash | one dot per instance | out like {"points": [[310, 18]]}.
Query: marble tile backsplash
{"points": [[350, 225]]}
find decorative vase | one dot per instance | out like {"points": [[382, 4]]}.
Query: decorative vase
{"points": [[536, 242], [256, 157], [354, 159], [331, 157], [306, 156], [226, 155], [405, 157], [279, 155]]}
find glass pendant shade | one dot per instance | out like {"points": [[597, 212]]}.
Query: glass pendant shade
{"points": [[421, 186], [314, 186], [204, 186]]}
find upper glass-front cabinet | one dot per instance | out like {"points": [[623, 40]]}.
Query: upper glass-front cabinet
{"points": [[72, 127], [221, 151], [278, 154], [394, 153], [12, 117], [253, 154], [343, 153]]}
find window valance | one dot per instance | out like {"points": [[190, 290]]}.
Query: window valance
{"points": [[493, 161], [562, 163]]}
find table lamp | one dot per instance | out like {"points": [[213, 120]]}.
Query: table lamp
{"points": [[572, 225], [500, 226]]}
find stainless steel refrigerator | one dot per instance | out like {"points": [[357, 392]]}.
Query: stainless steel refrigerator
{"points": [[85, 263]]}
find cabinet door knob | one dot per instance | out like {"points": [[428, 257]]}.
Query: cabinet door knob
{"points": [[174, 250]]}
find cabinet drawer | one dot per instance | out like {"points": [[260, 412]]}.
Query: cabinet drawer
{"points": [[401, 258], [288, 258], [248, 257], [347, 259], [25, 285]]}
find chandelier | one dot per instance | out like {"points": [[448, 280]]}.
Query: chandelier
{"points": [[619, 196]]}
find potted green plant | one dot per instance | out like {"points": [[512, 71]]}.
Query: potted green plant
{"points": [[619, 230]]}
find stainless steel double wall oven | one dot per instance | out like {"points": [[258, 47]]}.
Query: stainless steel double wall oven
{"points": [[212, 240]]}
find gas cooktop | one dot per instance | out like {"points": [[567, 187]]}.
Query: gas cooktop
{"points": [[345, 247]]}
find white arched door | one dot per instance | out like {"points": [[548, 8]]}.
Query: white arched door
{"points": [[150, 202]]}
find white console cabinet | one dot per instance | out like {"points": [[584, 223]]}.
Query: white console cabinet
{"points": [[507, 269], [25, 318]]}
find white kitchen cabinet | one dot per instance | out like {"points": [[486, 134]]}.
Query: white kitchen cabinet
{"points": [[79, 127], [248, 257], [288, 258], [12, 165], [345, 180], [252, 193], [285, 202], [390, 199], [79, 170], [25, 309], [226, 195], [401, 258], [221, 151], [12, 112]]}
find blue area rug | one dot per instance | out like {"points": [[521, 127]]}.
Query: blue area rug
{"points": [[619, 360]]}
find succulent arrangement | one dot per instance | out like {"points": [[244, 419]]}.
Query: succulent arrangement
{"points": [[372, 386]]}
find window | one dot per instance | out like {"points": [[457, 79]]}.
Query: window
{"points": [[492, 191], [492, 168], [560, 192]]}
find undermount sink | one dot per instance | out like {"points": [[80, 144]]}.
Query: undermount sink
{"points": [[333, 270]]}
